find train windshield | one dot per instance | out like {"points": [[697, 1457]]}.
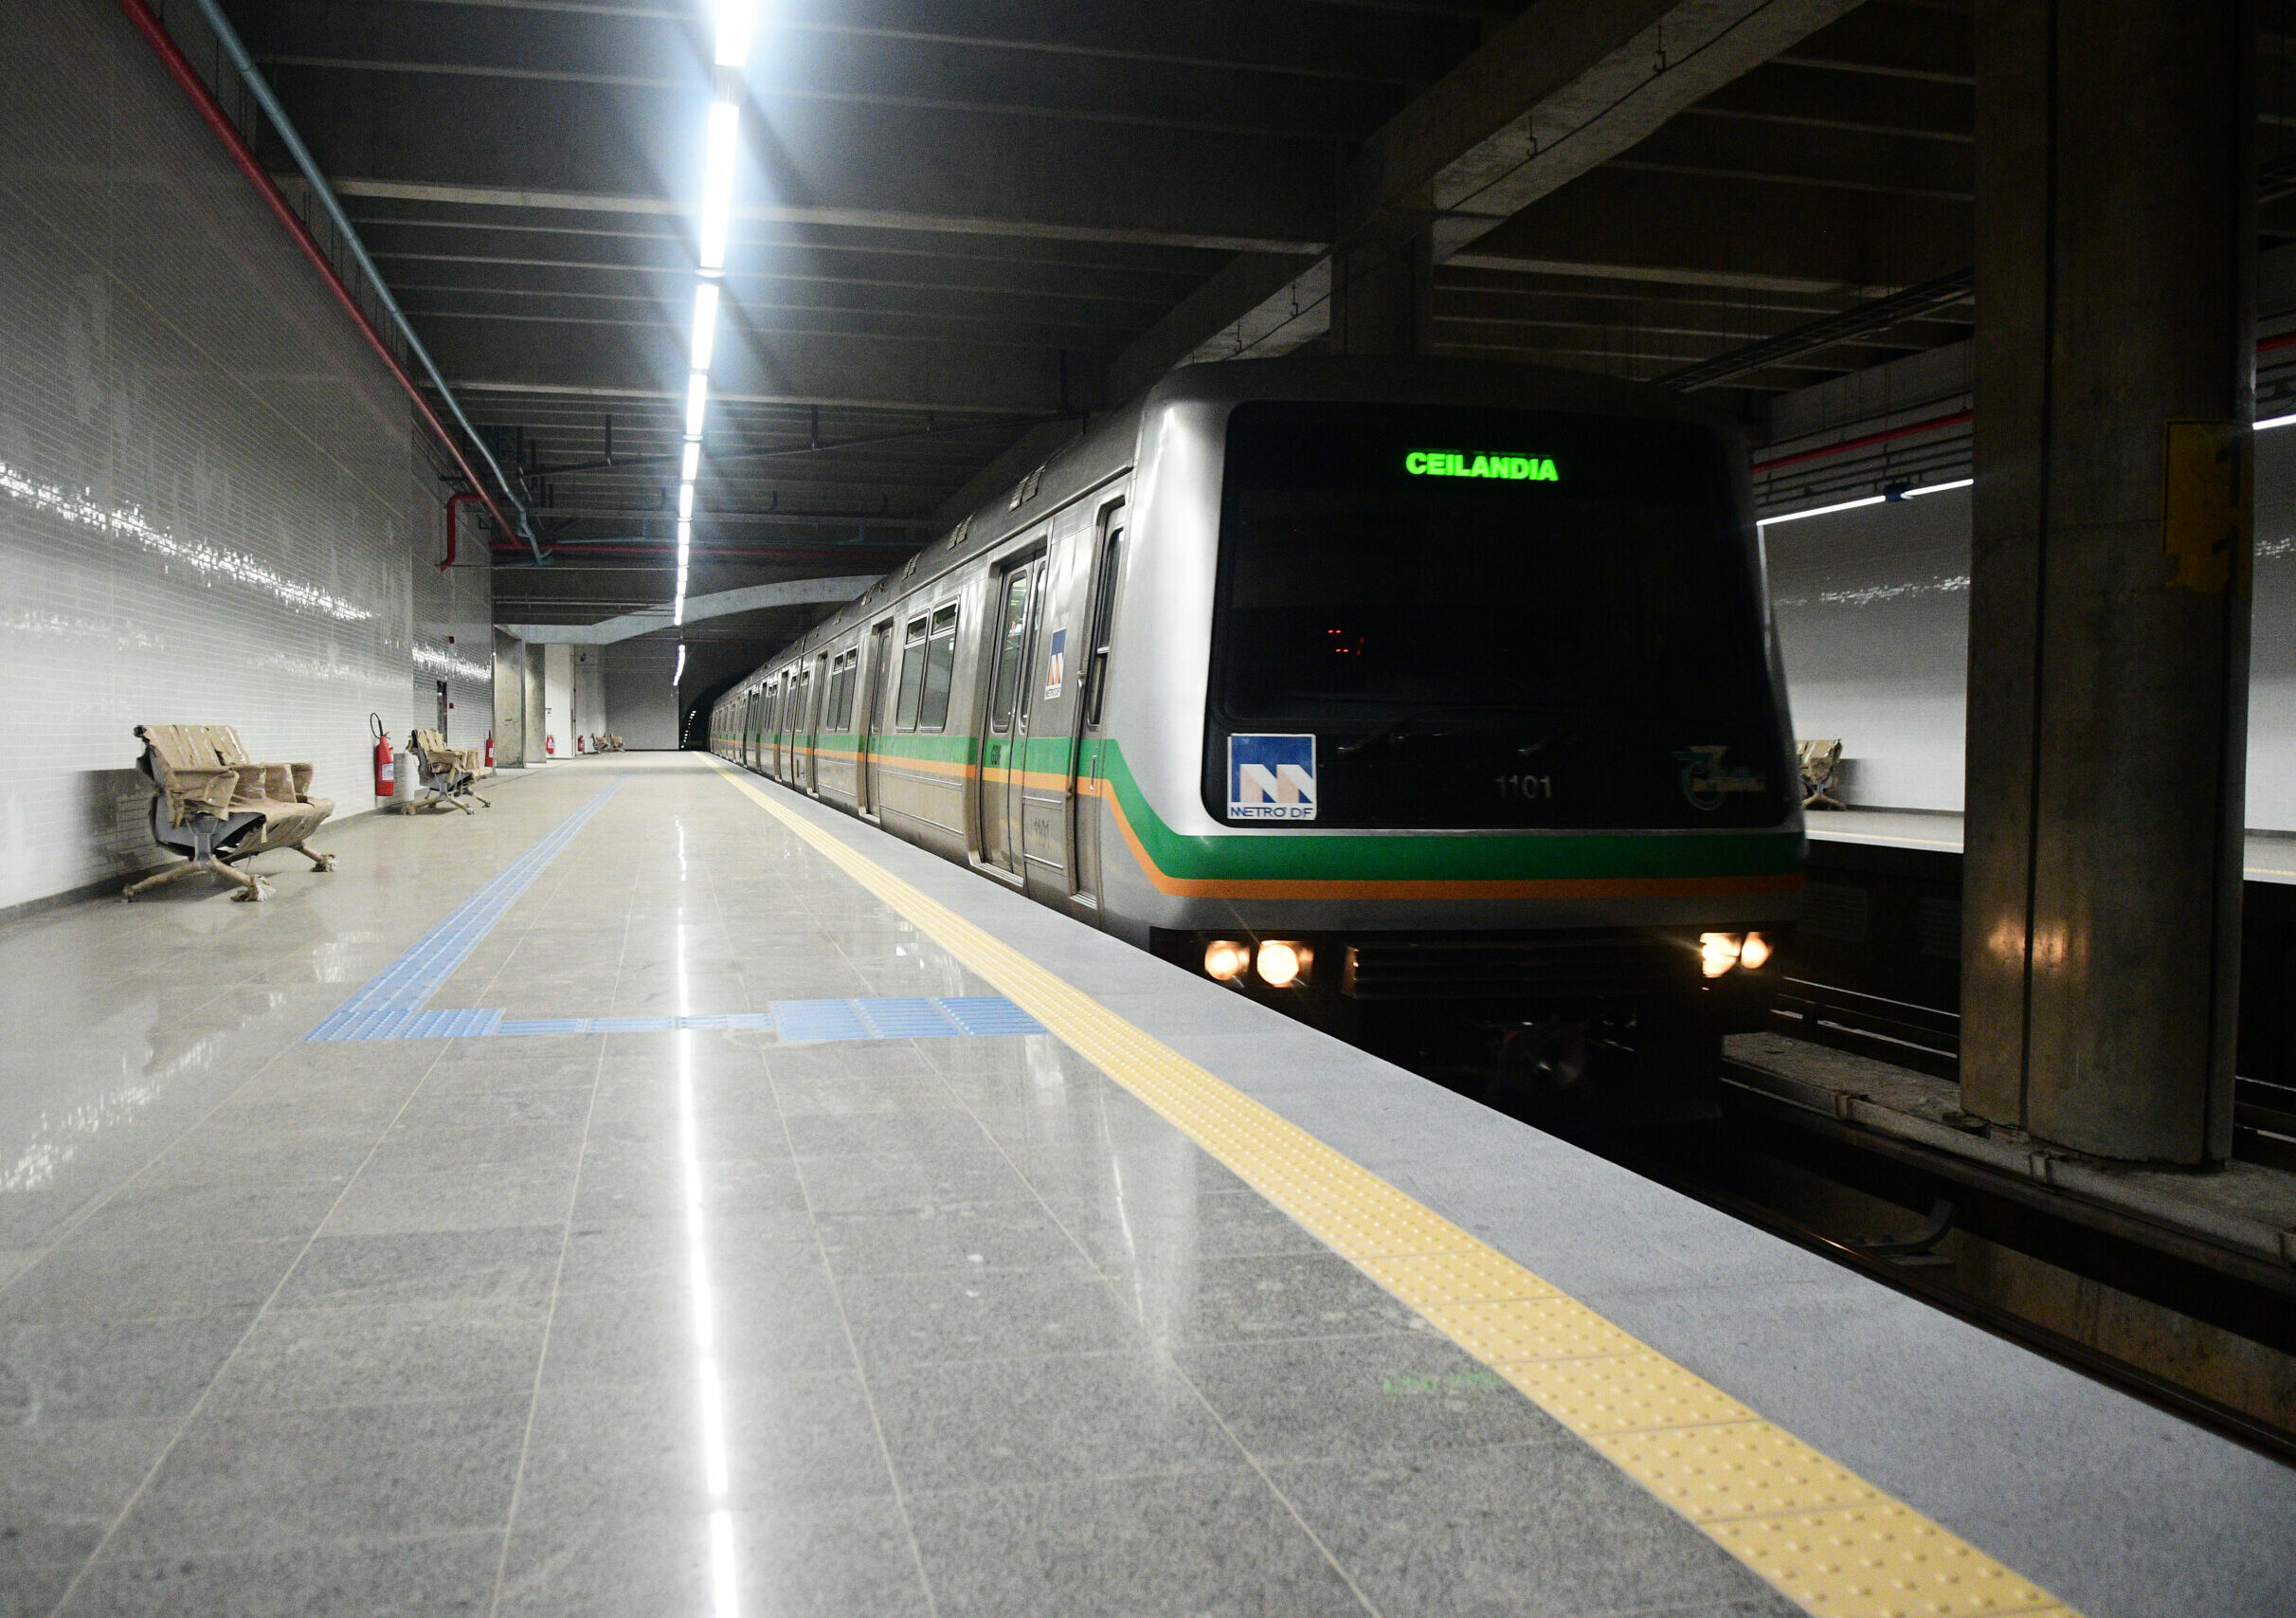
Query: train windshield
{"points": [[1486, 618]]}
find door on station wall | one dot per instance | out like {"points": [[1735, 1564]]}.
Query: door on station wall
{"points": [[444, 706], [1004, 735], [876, 675], [1091, 691]]}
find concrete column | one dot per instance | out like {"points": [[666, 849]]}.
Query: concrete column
{"points": [[2110, 602], [1381, 292]]}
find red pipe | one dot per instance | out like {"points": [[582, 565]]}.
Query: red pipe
{"points": [[2265, 345], [1934, 424], [187, 77]]}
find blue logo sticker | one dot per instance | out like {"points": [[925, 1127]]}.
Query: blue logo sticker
{"points": [[1271, 777]]}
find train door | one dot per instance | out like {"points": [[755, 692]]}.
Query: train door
{"points": [[814, 688], [776, 761], [1004, 736], [746, 710], [1092, 692], [877, 675]]}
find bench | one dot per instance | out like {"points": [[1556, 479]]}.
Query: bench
{"points": [[1821, 774], [216, 806], [449, 774]]}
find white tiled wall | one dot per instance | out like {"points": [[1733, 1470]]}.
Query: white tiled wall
{"points": [[641, 704], [1874, 615], [211, 509]]}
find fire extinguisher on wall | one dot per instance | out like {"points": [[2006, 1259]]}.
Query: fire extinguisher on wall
{"points": [[490, 752], [580, 746], [550, 746], [386, 776]]}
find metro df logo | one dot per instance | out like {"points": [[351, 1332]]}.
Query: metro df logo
{"points": [[1271, 777]]}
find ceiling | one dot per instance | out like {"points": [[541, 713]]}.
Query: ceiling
{"points": [[963, 225]]}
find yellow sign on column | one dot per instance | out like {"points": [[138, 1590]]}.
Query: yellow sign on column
{"points": [[2207, 532]]}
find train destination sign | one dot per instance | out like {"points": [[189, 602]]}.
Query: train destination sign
{"points": [[1462, 464]]}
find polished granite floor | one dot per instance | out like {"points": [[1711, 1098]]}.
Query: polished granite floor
{"points": [[697, 1322]]}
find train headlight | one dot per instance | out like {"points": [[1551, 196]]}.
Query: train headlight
{"points": [[1282, 963], [1718, 952], [1226, 959], [1756, 951]]}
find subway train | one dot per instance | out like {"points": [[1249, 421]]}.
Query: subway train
{"points": [[1432, 701]]}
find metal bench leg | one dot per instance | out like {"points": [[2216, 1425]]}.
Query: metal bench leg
{"points": [[159, 878], [252, 888]]}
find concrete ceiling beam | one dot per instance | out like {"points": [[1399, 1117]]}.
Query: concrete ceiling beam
{"points": [[1564, 87], [648, 363], [590, 150], [1622, 223], [719, 604]]}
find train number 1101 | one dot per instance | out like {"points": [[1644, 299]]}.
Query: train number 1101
{"points": [[1528, 787]]}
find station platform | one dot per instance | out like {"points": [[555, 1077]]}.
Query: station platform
{"points": [[660, 1193], [2270, 856]]}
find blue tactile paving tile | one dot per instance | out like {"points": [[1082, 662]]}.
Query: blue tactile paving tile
{"points": [[989, 1015], [449, 1024], [394, 994], [541, 1026], [904, 1019], [804, 1021]]}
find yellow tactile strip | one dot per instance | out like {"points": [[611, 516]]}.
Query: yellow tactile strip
{"points": [[1832, 1542]]}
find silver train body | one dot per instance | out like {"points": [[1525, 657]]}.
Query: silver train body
{"points": [[1079, 694]]}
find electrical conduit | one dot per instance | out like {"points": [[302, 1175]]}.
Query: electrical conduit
{"points": [[187, 77]]}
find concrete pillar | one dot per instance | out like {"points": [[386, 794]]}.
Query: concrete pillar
{"points": [[1381, 292], [2109, 601]]}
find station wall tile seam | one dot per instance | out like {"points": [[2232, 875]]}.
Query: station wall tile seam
{"points": [[1824, 1538]]}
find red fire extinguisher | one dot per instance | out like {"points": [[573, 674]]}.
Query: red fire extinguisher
{"points": [[385, 777], [580, 746], [550, 746], [490, 753]]}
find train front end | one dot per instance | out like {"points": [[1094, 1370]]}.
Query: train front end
{"points": [[1467, 729]]}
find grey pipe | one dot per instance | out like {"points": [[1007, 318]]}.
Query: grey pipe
{"points": [[226, 37]]}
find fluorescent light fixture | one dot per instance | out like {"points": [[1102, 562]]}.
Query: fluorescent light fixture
{"points": [[717, 182], [685, 502], [705, 323], [697, 403], [733, 20], [1821, 511], [677, 610], [677, 674], [2275, 421], [692, 464], [1939, 488]]}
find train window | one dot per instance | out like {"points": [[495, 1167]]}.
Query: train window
{"points": [[1571, 602], [913, 677], [840, 690], [940, 666], [1009, 653], [1104, 602]]}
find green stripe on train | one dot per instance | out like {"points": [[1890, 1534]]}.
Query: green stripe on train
{"points": [[1394, 857]]}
